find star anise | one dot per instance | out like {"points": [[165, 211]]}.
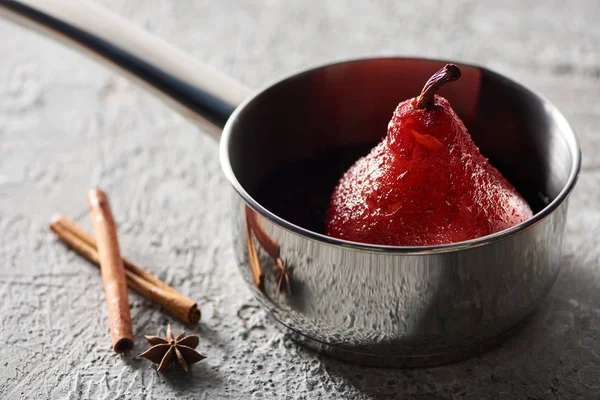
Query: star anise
{"points": [[164, 351], [282, 276]]}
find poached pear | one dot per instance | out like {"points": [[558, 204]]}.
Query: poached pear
{"points": [[426, 183]]}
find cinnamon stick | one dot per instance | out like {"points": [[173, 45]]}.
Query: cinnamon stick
{"points": [[86, 237], [113, 271], [182, 307], [140, 280]]}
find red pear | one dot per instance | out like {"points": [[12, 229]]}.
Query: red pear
{"points": [[426, 183]]}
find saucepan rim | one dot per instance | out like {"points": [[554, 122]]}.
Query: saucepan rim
{"points": [[571, 140]]}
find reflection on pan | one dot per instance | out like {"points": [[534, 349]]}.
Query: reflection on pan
{"points": [[271, 247]]}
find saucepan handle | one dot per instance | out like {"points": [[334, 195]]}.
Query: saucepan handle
{"points": [[196, 90]]}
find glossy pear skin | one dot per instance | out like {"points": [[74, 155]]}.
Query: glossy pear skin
{"points": [[425, 184]]}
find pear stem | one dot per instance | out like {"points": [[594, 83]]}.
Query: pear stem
{"points": [[448, 73]]}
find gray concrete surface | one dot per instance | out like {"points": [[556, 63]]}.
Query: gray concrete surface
{"points": [[67, 123]]}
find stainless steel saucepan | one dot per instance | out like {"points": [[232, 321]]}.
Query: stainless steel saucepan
{"points": [[377, 305]]}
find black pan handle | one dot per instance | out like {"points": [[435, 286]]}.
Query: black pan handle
{"points": [[195, 89]]}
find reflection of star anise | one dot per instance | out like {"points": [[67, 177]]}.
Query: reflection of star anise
{"points": [[282, 276], [164, 351]]}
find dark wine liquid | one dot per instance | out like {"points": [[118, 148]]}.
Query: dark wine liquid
{"points": [[300, 192]]}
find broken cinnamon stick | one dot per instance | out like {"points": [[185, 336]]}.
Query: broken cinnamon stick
{"points": [[113, 272], [140, 280]]}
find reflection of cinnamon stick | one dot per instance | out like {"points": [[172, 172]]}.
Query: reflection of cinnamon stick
{"points": [[142, 281], [113, 272], [271, 246], [253, 256], [268, 244]]}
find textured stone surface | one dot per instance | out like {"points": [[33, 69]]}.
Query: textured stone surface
{"points": [[67, 123]]}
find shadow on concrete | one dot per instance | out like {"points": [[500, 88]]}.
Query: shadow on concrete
{"points": [[556, 355]]}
